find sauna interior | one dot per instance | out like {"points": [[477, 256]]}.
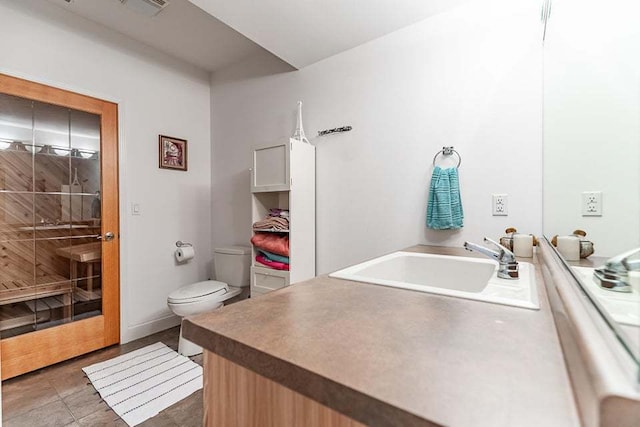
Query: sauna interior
{"points": [[49, 215]]}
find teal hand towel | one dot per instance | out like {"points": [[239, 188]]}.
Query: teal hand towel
{"points": [[444, 209], [274, 257]]}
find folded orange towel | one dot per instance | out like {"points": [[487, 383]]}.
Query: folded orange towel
{"points": [[272, 242]]}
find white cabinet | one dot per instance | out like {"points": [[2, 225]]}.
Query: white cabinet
{"points": [[271, 168], [283, 176]]}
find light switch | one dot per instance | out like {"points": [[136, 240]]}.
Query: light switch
{"points": [[135, 209]]}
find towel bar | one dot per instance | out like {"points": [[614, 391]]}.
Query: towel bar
{"points": [[448, 151]]}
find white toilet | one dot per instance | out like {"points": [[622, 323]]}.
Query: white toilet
{"points": [[232, 273]]}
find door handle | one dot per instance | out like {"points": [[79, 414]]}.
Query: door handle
{"points": [[108, 236]]}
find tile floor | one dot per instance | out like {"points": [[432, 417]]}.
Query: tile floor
{"points": [[60, 395]]}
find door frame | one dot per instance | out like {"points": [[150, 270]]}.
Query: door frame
{"points": [[34, 350]]}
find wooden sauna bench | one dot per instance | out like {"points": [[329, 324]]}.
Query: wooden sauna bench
{"points": [[14, 291], [87, 253], [17, 291]]}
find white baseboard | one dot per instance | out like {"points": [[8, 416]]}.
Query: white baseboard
{"points": [[131, 333]]}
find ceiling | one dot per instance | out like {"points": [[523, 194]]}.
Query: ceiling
{"points": [[212, 34], [181, 30], [302, 32]]}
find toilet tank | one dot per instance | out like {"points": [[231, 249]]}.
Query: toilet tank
{"points": [[232, 265]]}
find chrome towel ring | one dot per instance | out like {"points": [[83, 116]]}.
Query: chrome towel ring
{"points": [[447, 151]]}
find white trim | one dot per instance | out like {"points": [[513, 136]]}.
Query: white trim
{"points": [[124, 223], [142, 330]]}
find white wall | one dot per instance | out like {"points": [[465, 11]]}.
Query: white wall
{"points": [[156, 95], [470, 78], [592, 121]]}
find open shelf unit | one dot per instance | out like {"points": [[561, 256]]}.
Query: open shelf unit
{"points": [[283, 176]]}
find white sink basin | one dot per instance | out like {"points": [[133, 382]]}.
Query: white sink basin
{"points": [[622, 306], [469, 278]]}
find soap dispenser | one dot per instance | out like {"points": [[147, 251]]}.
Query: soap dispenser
{"points": [[580, 247], [520, 244], [523, 245]]}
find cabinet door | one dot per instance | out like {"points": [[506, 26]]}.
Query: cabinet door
{"points": [[265, 280], [270, 169]]}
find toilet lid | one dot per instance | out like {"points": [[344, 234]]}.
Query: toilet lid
{"points": [[196, 291]]}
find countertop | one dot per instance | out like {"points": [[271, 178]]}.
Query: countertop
{"points": [[387, 356]]}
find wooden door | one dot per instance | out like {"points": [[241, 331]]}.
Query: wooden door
{"points": [[88, 259]]}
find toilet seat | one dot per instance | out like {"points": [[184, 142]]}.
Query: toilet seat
{"points": [[195, 292], [202, 292], [231, 267]]}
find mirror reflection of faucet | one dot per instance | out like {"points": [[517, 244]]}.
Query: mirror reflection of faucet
{"points": [[508, 268], [620, 273]]}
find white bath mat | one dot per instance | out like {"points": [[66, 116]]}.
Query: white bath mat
{"points": [[140, 384]]}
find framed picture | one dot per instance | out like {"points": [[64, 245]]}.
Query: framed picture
{"points": [[173, 153]]}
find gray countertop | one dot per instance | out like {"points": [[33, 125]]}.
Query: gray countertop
{"points": [[386, 356]]}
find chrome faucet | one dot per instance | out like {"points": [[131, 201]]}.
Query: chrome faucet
{"points": [[614, 275], [508, 268]]}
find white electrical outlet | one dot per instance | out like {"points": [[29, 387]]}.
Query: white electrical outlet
{"points": [[500, 205], [135, 209], [592, 203]]}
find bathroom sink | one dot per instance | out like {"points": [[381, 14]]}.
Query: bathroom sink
{"points": [[622, 306], [462, 277]]}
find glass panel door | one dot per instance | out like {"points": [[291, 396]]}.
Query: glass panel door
{"points": [[17, 244], [59, 279], [50, 212], [85, 208]]}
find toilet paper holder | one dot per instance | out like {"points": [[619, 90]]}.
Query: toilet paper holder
{"points": [[182, 244]]}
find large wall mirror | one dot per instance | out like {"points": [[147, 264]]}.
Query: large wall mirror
{"points": [[592, 153]]}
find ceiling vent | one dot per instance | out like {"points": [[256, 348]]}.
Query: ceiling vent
{"points": [[146, 7]]}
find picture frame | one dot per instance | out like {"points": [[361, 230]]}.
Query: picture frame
{"points": [[172, 153]]}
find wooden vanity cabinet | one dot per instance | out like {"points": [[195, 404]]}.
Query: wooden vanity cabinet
{"points": [[237, 396]]}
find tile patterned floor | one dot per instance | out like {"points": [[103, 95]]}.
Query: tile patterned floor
{"points": [[60, 396]]}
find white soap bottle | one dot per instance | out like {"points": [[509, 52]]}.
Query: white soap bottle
{"points": [[569, 247], [523, 245]]}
